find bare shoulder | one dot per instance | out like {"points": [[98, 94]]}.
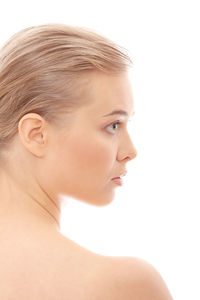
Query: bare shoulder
{"points": [[131, 278]]}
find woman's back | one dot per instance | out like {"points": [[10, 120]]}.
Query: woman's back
{"points": [[42, 269], [52, 268], [56, 268]]}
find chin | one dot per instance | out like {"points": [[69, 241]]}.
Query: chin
{"points": [[97, 196], [96, 200], [102, 200]]}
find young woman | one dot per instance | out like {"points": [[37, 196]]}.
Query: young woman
{"points": [[65, 99]]}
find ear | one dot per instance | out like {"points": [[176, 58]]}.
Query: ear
{"points": [[33, 133]]}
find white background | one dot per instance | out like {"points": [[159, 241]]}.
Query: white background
{"points": [[155, 215]]}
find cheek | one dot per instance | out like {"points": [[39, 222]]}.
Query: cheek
{"points": [[92, 155], [81, 165]]}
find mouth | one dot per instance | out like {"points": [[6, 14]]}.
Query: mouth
{"points": [[118, 180], [120, 175]]}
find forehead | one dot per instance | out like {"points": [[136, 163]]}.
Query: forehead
{"points": [[109, 92]]}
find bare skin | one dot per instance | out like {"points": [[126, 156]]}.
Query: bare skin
{"points": [[44, 163]]}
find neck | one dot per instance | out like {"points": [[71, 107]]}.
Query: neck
{"points": [[27, 206]]}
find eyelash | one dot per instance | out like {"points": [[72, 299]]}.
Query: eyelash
{"points": [[115, 123]]}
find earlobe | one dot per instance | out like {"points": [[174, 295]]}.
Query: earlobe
{"points": [[32, 132]]}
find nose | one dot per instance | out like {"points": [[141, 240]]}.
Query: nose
{"points": [[131, 154], [128, 150]]}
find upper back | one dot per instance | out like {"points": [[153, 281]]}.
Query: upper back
{"points": [[47, 270], [61, 270], [131, 278]]}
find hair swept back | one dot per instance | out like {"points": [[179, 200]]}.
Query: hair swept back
{"points": [[43, 70]]}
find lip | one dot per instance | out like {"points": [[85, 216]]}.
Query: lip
{"points": [[120, 175], [118, 181]]}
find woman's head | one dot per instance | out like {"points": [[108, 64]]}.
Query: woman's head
{"points": [[56, 84], [44, 69]]}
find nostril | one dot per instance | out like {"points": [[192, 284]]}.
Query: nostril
{"points": [[132, 155]]}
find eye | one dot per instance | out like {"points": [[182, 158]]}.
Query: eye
{"points": [[115, 123]]}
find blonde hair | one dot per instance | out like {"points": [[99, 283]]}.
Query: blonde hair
{"points": [[44, 68]]}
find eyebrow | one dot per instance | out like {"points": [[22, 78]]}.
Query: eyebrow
{"points": [[118, 112]]}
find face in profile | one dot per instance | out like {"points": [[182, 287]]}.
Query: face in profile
{"points": [[83, 158]]}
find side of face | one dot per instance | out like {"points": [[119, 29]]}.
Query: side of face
{"points": [[80, 160]]}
